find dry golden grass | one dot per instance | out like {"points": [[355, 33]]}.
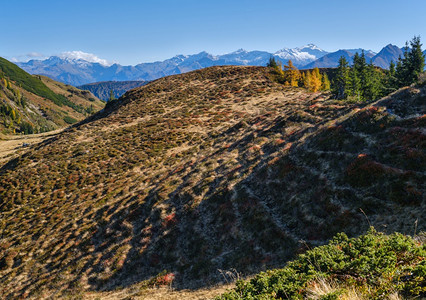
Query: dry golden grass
{"points": [[14, 145], [323, 287], [161, 293]]}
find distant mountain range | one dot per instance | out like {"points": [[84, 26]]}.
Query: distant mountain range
{"points": [[331, 60], [382, 59], [386, 55], [77, 71]]}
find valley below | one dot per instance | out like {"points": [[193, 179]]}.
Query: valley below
{"points": [[14, 145]]}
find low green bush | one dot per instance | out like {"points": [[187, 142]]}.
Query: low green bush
{"points": [[375, 265], [70, 120]]}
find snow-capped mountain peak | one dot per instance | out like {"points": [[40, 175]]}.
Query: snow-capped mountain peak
{"points": [[311, 47], [239, 51], [81, 57], [301, 55], [360, 50]]}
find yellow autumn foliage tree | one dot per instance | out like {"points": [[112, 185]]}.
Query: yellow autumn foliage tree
{"points": [[292, 74], [316, 80], [13, 114], [312, 80], [307, 79], [325, 84]]}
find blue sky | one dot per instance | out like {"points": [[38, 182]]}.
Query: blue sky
{"points": [[131, 31]]}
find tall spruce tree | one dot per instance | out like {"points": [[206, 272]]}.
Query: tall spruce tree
{"points": [[400, 72], [392, 68], [390, 82], [374, 88], [354, 83], [411, 65], [111, 95], [416, 58], [363, 74], [340, 82], [272, 63]]}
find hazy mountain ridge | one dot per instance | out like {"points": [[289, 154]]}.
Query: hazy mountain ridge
{"points": [[214, 169], [331, 60], [79, 72], [102, 90], [388, 54]]}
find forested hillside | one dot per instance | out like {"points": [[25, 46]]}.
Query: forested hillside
{"points": [[31, 104], [109, 90]]}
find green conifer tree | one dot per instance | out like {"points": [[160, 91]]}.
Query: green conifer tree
{"points": [[416, 59], [363, 74], [390, 81], [340, 82], [374, 88], [354, 84], [392, 68], [111, 95], [272, 63], [411, 65]]}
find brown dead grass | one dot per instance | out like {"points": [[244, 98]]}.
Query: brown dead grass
{"points": [[322, 288], [14, 145], [161, 293]]}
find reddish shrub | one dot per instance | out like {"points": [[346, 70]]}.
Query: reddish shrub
{"points": [[279, 141], [288, 146], [273, 161], [170, 220], [363, 171], [362, 155], [166, 279]]}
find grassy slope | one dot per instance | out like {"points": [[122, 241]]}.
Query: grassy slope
{"points": [[26, 81], [80, 98], [39, 101], [215, 169]]}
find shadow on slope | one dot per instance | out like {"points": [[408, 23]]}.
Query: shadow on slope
{"points": [[308, 192]]}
